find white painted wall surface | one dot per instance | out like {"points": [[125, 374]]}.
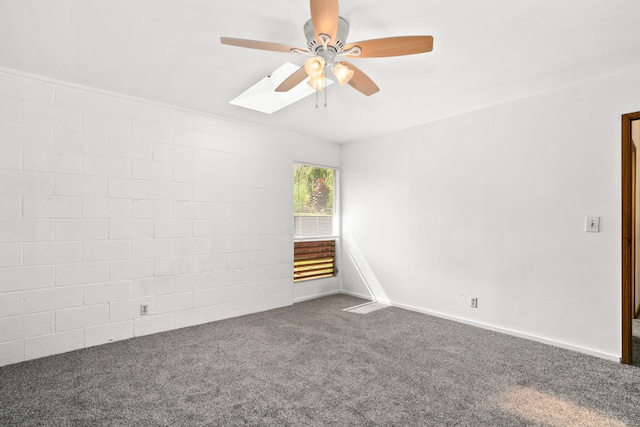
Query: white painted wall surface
{"points": [[492, 204], [107, 202]]}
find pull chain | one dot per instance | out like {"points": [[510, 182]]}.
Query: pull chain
{"points": [[324, 82]]}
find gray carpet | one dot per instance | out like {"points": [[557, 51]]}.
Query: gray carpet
{"points": [[636, 342], [314, 365]]}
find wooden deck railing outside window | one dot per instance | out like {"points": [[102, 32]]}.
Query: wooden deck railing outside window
{"points": [[313, 260]]}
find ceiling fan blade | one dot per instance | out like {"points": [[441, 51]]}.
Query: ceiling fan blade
{"points": [[256, 44], [292, 81], [360, 81], [393, 46], [324, 16]]}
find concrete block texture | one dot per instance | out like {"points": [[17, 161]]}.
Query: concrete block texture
{"points": [[109, 202]]}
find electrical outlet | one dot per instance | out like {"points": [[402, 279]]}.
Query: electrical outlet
{"points": [[474, 302], [144, 309]]}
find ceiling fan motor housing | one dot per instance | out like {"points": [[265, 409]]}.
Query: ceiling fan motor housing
{"points": [[335, 46]]}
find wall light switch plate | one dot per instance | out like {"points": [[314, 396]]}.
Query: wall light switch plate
{"points": [[592, 224]]}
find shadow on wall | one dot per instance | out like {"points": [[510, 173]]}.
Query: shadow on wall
{"points": [[359, 279]]}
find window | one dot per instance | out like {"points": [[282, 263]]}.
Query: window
{"points": [[313, 201], [315, 222]]}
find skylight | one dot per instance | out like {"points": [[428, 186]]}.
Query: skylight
{"points": [[263, 97]]}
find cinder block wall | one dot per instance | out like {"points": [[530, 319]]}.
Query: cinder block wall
{"points": [[108, 202]]}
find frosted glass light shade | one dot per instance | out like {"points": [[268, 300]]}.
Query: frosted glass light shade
{"points": [[314, 66], [317, 83], [342, 73]]}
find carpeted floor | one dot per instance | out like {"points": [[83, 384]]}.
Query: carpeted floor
{"points": [[636, 342], [314, 365]]}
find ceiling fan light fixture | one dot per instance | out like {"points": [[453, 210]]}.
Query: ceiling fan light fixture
{"points": [[342, 73], [317, 83], [326, 34], [314, 66]]}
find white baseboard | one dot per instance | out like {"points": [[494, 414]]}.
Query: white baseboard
{"points": [[357, 295], [560, 344], [314, 296]]}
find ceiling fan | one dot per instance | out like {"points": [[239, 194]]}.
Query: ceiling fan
{"points": [[326, 34]]}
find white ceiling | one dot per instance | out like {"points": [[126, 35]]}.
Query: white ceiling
{"points": [[485, 52]]}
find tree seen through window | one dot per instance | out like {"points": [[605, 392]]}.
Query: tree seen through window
{"points": [[313, 194]]}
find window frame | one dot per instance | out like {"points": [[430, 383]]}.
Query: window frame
{"points": [[336, 229]]}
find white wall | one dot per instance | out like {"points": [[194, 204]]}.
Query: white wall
{"points": [[107, 202], [492, 204]]}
